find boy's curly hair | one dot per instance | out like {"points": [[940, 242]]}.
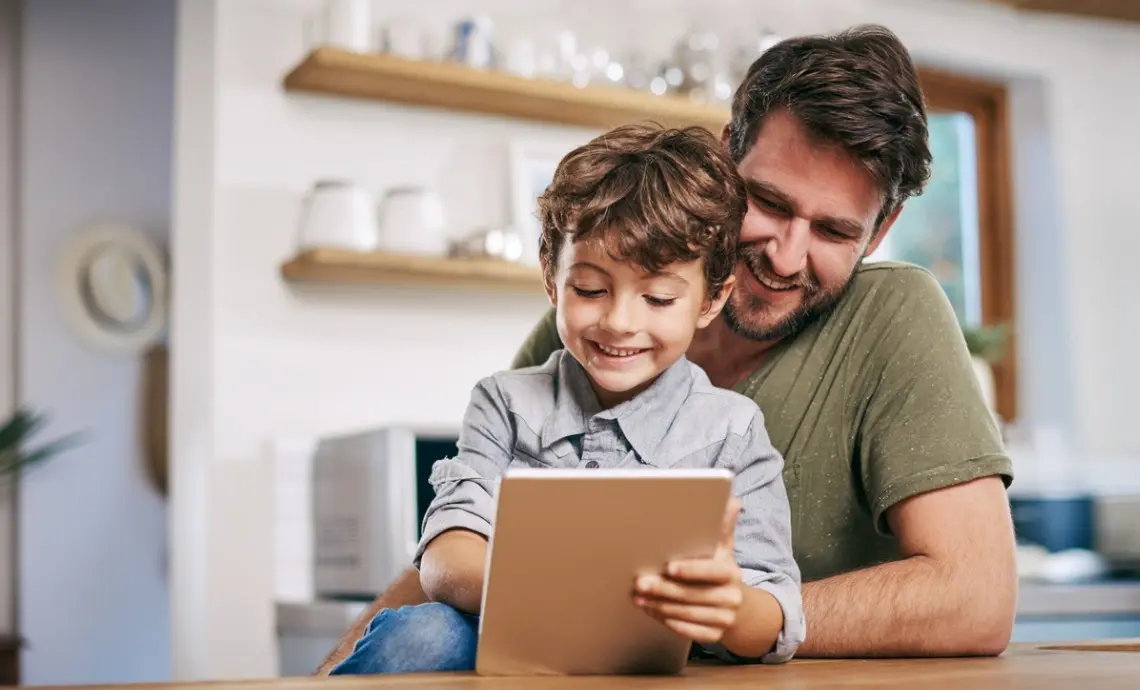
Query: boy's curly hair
{"points": [[655, 196]]}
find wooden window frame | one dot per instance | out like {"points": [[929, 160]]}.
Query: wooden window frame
{"points": [[988, 104]]}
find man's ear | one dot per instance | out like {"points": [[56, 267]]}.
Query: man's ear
{"points": [[881, 233], [714, 306], [724, 131]]}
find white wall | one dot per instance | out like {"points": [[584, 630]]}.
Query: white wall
{"points": [[254, 359], [96, 111], [9, 34], [1046, 393]]}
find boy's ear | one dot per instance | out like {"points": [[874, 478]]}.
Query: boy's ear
{"points": [[714, 305], [548, 284]]}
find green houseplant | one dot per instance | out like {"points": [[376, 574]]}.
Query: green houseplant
{"points": [[987, 343], [17, 455], [16, 451]]}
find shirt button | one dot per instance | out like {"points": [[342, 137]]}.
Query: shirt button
{"points": [[593, 464]]}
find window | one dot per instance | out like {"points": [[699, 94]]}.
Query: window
{"points": [[961, 227]]}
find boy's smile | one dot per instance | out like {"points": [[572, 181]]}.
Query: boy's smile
{"points": [[624, 324]]}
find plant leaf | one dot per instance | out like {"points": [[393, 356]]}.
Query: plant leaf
{"points": [[17, 430], [14, 438]]}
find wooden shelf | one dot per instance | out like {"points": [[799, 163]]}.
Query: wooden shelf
{"points": [[336, 266], [457, 87]]}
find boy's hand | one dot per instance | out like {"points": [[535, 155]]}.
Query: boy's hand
{"points": [[698, 598]]}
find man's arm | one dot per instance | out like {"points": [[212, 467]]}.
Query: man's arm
{"points": [[405, 591], [932, 472], [954, 593]]}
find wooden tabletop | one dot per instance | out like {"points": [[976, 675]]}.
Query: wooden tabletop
{"points": [[1088, 665]]}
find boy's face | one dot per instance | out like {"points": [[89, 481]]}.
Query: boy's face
{"points": [[624, 325]]}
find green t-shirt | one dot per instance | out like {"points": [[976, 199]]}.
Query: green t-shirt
{"points": [[870, 405]]}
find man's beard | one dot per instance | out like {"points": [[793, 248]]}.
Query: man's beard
{"points": [[816, 301]]}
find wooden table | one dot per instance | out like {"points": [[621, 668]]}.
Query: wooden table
{"points": [[1088, 666]]}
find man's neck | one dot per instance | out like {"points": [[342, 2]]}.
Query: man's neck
{"points": [[726, 357]]}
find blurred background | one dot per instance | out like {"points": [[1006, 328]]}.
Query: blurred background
{"points": [[254, 253]]}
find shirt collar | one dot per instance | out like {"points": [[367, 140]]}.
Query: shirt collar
{"points": [[643, 420]]}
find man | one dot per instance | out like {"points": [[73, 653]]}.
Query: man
{"points": [[894, 466]]}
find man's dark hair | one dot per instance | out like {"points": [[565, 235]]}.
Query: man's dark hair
{"points": [[653, 195], [858, 89]]}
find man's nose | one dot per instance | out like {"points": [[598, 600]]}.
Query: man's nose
{"points": [[787, 250]]}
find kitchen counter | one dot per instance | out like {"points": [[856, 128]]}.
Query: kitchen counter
{"points": [[1106, 598], [1045, 613], [1036, 600], [1042, 667]]}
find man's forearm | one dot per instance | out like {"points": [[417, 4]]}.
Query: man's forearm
{"points": [[452, 567], [912, 607], [405, 591]]}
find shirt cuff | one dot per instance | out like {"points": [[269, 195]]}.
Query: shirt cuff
{"points": [[445, 519], [788, 596], [790, 599]]}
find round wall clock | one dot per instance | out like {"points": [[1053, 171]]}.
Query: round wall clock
{"points": [[113, 285]]}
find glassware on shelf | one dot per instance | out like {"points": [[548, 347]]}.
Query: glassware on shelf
{"points": [[473, 42]]}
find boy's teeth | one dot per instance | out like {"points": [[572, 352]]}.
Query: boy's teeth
{"points": [[615, 352]]}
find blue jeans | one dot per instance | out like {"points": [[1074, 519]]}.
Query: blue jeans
{"points": [[414, 639]]}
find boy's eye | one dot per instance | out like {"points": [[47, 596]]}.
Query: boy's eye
{"points": [[660, 301], [588, 294]]}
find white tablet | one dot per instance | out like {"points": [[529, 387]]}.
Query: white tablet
{"points": [[564, 551]]}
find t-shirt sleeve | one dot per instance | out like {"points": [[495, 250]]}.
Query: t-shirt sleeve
{"points": [[539, 344], [925, 425]]}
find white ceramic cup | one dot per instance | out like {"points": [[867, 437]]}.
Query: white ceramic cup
{"points": [[338, 214], [412, 222]]}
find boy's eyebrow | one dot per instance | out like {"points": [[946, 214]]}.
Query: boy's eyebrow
{"points": [[669, 275], [587, 264]]}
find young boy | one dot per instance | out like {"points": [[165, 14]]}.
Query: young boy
{"points": [[639, 235]]}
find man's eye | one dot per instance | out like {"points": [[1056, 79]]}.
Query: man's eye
{"points": [[660, 301], [588, 294], [834, 233], [767, 205]]}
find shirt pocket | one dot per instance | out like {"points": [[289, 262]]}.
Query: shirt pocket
{"points": [[528, 451], [690, 458]]}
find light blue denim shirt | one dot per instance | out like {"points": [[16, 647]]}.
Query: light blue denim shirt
{"points": [[549, 416]]}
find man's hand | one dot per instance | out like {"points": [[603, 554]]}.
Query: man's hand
{"points": [[698, 598]]}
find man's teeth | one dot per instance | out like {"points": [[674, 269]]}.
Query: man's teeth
{"points": [[769, 284], [760, 274], [614, 352]]}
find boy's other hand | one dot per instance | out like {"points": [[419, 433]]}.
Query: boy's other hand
{"points": [[698, 598]]}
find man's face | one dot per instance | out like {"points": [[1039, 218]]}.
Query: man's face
{"points": [[811, 217]]}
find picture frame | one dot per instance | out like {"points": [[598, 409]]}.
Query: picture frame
{"points": [[532, 163]]}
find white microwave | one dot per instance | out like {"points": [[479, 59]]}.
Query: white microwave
{"points": [[370, 491]]}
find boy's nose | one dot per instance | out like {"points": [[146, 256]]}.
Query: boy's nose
{"points": [[620, 318]]}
